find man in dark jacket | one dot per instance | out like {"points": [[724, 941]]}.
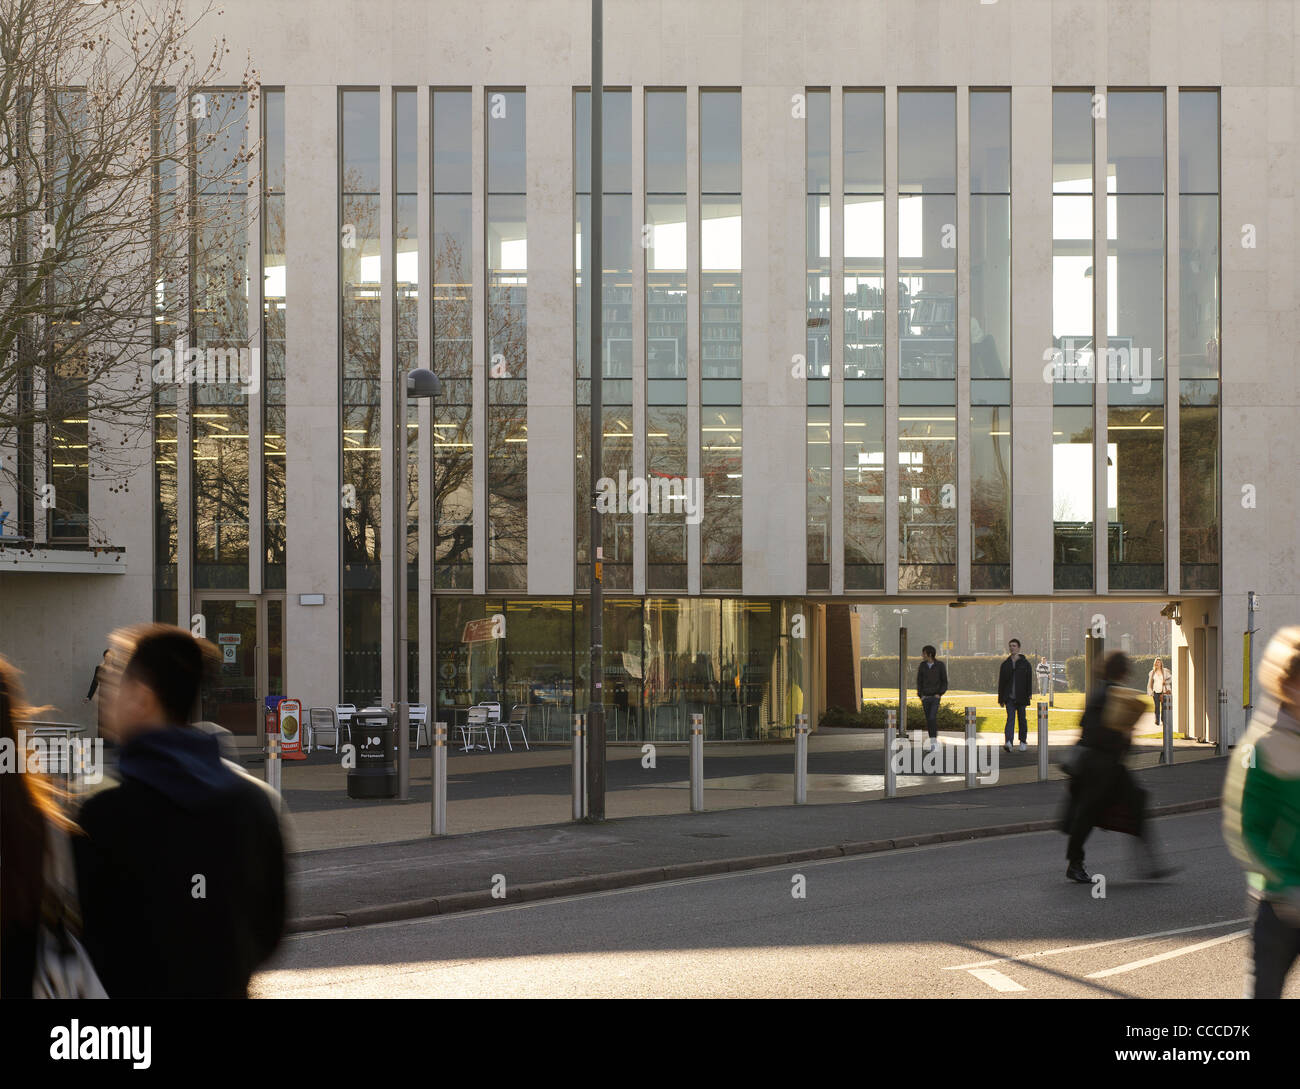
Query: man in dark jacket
{"points": [[1015, 683], [931, 684], [181, 871]]}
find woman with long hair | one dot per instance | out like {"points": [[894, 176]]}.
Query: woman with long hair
{"points": [[29, 806], [1158, 687]]}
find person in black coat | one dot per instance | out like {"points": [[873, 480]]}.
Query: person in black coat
{"points": [[181, 870], [1015, 685], [931, 684], [1099, 781]]}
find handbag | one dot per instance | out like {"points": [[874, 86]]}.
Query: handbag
{"points": [[63, 967]]}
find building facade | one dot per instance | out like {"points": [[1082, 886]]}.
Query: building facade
{"points": [[859, 345]]}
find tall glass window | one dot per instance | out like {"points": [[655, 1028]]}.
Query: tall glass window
{"points": [[362, 432], [864, 340], [1135, 352], [453, 341], [1198, 317], [817, 226], [927, 340], [619, 249], [406, 328], [166, 322], [990, 339], [273, 318], [721, 443], [1069, 362], [219, 308], [666, 305], [507, 342]]}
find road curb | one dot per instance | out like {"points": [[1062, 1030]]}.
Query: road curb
{"points": [[457, 902]]}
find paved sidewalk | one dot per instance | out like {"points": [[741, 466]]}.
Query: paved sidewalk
{"points": [[500, 790], [374, 883]]}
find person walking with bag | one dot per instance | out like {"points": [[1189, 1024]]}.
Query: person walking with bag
{"points": [[1015, 686], [40, 956], [1102, 791], [1158, 687], [1261, 817], [931, 684]]}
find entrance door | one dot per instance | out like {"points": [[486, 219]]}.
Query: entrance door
{"points": [[249, 637]]}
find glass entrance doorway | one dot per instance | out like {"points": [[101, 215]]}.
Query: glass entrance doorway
{"points": [[249, 636]]}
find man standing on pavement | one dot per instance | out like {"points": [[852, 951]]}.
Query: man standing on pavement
{"points": [[181, 870], [1014, 688], [931, 684]]}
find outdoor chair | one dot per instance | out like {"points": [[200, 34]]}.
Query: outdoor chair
{"points": [[518, 720], [418, 719], [476, 721], [321, 720], [344, 713]]}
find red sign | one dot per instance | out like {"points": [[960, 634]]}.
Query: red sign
{"points": [[478, 631]]}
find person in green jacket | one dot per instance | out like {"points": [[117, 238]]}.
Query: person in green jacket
{"points": [[1261, 817]]}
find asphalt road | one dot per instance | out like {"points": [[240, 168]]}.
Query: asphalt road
{"points": [[989, 918]]}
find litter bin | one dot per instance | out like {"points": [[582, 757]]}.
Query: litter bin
{"points": [[375, 737]]}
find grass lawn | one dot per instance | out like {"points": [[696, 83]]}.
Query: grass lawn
{"points": [[989, 717]]}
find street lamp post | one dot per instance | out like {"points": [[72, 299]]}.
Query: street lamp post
{"points": [[420, 384]]}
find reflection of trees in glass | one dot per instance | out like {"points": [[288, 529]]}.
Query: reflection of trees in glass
{"points": [[1199, 481], [929, 523], [990, 495], [94, 250]]}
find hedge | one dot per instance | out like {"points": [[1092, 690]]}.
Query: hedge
{"points": [[1137, 677], [873, 717], [974, 673]]}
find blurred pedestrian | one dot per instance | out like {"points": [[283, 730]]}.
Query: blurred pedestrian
{"points": [[39, 924], [182, 867], [1102, 791], [931, 684], [1015, 686], [1157, 687], [1261, 816]]}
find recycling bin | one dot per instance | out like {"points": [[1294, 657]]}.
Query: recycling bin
{"points": [[374, 733]]}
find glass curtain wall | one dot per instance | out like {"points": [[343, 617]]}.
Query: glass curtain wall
{"points": [[665, 659], [274, 444], [721, 439], [168, 296], [864, 340], [406, 328], [666, 306], [1198, 316], [1135, 354], [453, 341], [619, 244], [219, 313], [362, 432], [507, 341], [927, 335], [990, 339], [817, 227], [1069, 364]]}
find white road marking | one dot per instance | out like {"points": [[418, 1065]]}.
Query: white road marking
{"points": [[1093, 945], [996, 979], [1133, 966]]}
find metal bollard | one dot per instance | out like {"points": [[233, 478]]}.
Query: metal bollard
{"points": [[1167, 752], [579, 767], [273, 761], [972, 747], [697, 762], [439, 778], [891, 732], [1044, 741], [800, 759]]}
